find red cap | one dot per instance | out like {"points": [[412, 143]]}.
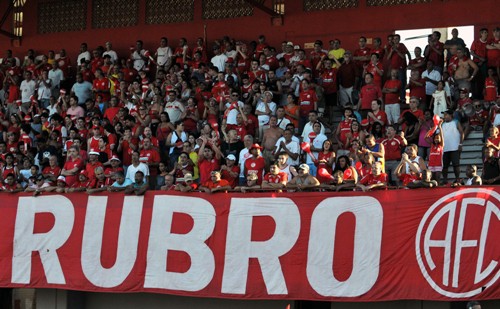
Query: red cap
{"points": [[84, 173], [365, 122], [255, 146], [27, 118]]}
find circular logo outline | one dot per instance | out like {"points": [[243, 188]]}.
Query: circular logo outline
{"points": [[423, 222]]}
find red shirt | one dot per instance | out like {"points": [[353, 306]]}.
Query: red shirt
{"points": [[393, 97], [371, 68], [417, 91], [69, 165], [371, 179], [380, 115], [408, 178], [211, 185], [102, 87], [90, 168], [436, 156], [278, 178], [490, 89], [392, 148], [398, 62], [329, 78], [369, 93], [436, 58], [255, 165], [479, 48], [361, 53], [493, 55], [307, 98], [345, 128], [233, 181], [206, 167]]}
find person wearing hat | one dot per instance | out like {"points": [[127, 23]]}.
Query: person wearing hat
{"points": [[60, 187], [230, 171], [115, 167], [208, 159], [453, 136], [215, 184], [256, 163], [188, 185], [303, 180], [92, 163]]}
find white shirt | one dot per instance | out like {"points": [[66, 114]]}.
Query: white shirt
{"points": [[131, 170], [56, 76], [138, 62], [282, 123], [112, 54], [430, 87], [244, 155], [27, 90], [451, 136], [174, 110], [261, 107], [231, 115], [85, 55], [308, 128], [293, 147], [317, 143], [163, 54], [83, 91], [219, 61]]}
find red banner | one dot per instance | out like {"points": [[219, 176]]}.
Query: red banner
{"points": [[440, 244]]}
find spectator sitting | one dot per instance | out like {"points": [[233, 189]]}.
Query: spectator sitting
{"points": [[10, 184], [304, 180], [375, 180], [139, 187], [38, 185], [412, 176], [169, 183], [251, 183], [120, 184], [188, 185], [99, 183], [60, 186], [491, 168], [215, 183], [275, 179], [343, 164], [425, 182], [230, 171], [81, 184], [472, 179]]}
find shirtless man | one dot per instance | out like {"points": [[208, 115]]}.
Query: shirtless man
{"points": [[269, 138], [464, 65], [304, 180]]}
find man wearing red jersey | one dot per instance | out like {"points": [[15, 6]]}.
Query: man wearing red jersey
{"points": [[208, 159], [434, 51], [369, 93], [230, 171], [328, 77], [398, 55], [391, 90], [275, 179], [151, 157], [72, 166], [215, 183], [393, 145], [375, 68], [255, 164], [101, 86], [361, 56], [92, 163], [52, 171], [316, 56], [376, 179]]}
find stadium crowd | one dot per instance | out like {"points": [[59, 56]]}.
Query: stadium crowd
{"points": [[249, 117]]}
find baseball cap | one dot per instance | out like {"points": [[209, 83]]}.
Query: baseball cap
{"points": [[188, 177], [93, 152], [231, 157], [61, 178], [115, 157], [255, 146], [304, 167]]}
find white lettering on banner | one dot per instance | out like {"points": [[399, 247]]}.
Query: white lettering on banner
{"points": [[128, 239], [480, 203], [240, 247], [26, 241], [367, 246], [162, 240]]}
